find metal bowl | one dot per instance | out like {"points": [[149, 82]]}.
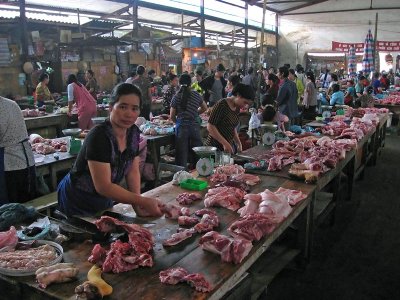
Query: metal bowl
{"points": [[98, 120], [72, 132], [204, 150]]}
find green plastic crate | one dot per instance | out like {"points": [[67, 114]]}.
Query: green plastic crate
{"points": [[193, 184]]}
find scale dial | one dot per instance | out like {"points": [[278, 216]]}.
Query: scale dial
{"points": [[326, 114], [205, 167], [268, 138]]}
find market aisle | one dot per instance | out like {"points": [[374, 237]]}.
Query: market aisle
{"points": [[357, 258]]}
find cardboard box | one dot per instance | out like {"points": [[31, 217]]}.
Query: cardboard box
{"points": [[65, 36]]}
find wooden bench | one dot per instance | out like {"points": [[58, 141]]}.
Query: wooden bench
{"points": [[44, 203]]}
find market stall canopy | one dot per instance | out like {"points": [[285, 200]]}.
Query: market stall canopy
{"points": [[95, 41]]}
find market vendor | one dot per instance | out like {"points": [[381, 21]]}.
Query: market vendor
{"points": [[86, 105], [337, 97], [109, 154], [186, 106], [169, 93], [224, 119], [42, 91], [91, 84], [17, 165]]}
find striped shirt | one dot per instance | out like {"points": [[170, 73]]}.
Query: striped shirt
{"points": [[191, 112], [225, 120]]}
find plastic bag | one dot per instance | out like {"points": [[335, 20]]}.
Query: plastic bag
{"points": [[254, 122]]}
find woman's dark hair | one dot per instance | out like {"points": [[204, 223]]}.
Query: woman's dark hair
{"points": [[185, 81], [125, 89], [245, 91], [72, 79], [334, 77], [291, 71], [310, 75], [90, 72], [234, 79], [172, 77], [151, 72], [43, 76], [268, 113], [140, 70], [267, 100], [335, 88], [351, 82], [273, 78], [273, 69], [132, 74], [284, 71], [361, 78]]}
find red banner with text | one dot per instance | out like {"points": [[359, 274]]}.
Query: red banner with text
{"points": [[381, 46]]}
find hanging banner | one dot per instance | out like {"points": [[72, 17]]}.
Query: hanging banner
{"points": [[388, 46], [344, 47], [381, 46]]}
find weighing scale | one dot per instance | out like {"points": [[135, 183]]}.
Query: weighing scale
{"points": [[73, 145], [205, 165], [268, 138]]}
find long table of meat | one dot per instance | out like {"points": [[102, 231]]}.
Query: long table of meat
{"points": [[211, 255]]}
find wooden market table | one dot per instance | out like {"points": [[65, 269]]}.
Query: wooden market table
{"points": [[395, 109], [144, 283], [50, 166], [59, 121]]}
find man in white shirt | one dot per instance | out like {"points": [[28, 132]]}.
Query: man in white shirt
{"points": [[17, 165]]}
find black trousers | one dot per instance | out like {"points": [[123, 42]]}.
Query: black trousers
{"points": [[21, 185], [145, 111]]}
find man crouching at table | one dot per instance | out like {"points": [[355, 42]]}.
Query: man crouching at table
{"points": [[109, 153]]}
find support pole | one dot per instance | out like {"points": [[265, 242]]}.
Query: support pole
{"points": [[202, 24], [182, 23], [79, 20], [277, 38], [376, 54], [23, 30], [135, 24], [262, 28], [246, 36]]}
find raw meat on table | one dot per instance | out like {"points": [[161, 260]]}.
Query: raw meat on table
{"points": [[188, 198], [230, 250], [228, 197], [249, 179], [229, 169], [122, 257], [173, 275], [170, 211], [291, 196], [187, 221], [234, 183], [252, 227], [207, 223], [178, 237], [204, 211], [8, 239]]}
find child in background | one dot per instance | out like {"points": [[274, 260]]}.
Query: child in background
{"points": [[270, 114]]}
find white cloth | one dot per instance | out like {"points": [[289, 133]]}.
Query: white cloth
{"points": [[70, 90], [12, 133], [130, 80]]}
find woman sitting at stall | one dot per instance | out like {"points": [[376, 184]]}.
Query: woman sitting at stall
{"points": [[86, 105], [169, 93], [186, 106], [109, 153], [222, 125], [350, 95], [42, 91], [273, 86], [337, 97]]}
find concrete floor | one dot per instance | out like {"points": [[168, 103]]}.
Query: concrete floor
{"points": [[359, 256]]}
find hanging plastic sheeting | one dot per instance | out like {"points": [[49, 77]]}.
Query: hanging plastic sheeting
{"points": [[368, 59], [352, 63]]}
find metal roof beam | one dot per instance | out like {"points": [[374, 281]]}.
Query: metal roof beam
{"points": [[303, 5], [340, 11]]}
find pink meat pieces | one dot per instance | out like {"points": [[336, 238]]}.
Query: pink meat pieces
{"points": [[275, 163], [217, 177], [198, 282], [184, 212], [249, 179], [252, 227], [187, 221], [229, 170], [204, 211], [291, 196], [178, 237], [98, 255], [207, 223], [122, 257], [43, 148], [250, 205], [8, 239], [228, 197], [173, 275], [230, 250], [188, 198], [178, 274], [170, 211], [273, 206]]}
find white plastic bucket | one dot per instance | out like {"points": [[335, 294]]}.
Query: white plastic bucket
{"points": [[389, 121]]}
